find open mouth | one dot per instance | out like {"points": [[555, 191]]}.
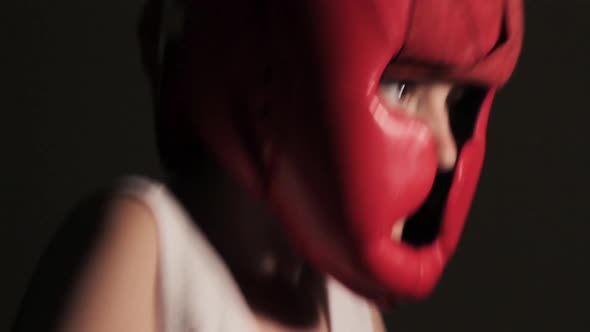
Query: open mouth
{"points": [[422, 227]]}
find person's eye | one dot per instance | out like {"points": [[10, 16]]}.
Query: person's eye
{"points": [[396, 92]]}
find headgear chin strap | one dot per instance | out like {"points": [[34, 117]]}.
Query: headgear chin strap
{"points": [[285, 96]]}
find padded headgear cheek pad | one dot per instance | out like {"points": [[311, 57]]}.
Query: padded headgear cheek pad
{"points": [[285, 96]]}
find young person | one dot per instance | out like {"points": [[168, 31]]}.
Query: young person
{"points": [[321, 157]]}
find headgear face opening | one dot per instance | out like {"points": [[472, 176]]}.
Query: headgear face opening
{"points": [[285, 96]]}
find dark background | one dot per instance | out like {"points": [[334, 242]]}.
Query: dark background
{"points": [[76, 114]]}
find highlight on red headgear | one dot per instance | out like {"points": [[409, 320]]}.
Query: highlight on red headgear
{"points": [[287, 99]]}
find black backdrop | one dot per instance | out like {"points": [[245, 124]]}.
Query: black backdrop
{"points": [[76, 114]]}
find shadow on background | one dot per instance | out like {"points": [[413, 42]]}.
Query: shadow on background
{"points": [[60, 266]]}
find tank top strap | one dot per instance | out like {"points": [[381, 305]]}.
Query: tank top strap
{"points": [[348, 311], [197, 291]]}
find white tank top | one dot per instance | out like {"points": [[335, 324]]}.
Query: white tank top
{"points": [[197, 291]]}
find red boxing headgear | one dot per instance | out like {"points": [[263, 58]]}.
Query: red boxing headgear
{"points": [[285, 95]]}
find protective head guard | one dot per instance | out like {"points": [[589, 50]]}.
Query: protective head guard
{"points": [[285, 95]]}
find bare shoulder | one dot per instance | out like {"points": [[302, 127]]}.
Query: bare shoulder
{"points": [[99, 273], [130, 225], [117, 289]]}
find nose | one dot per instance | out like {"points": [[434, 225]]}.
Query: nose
{"points": [[428, 102], [431, 107]]}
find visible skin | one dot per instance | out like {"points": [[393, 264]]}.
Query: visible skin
{"points": [[117, 289], [427, 101]]}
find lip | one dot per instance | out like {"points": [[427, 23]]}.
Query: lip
{"points": [[423, 227], [397, 229]]}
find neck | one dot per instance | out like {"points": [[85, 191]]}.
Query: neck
{"points": [[276, 282]]}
